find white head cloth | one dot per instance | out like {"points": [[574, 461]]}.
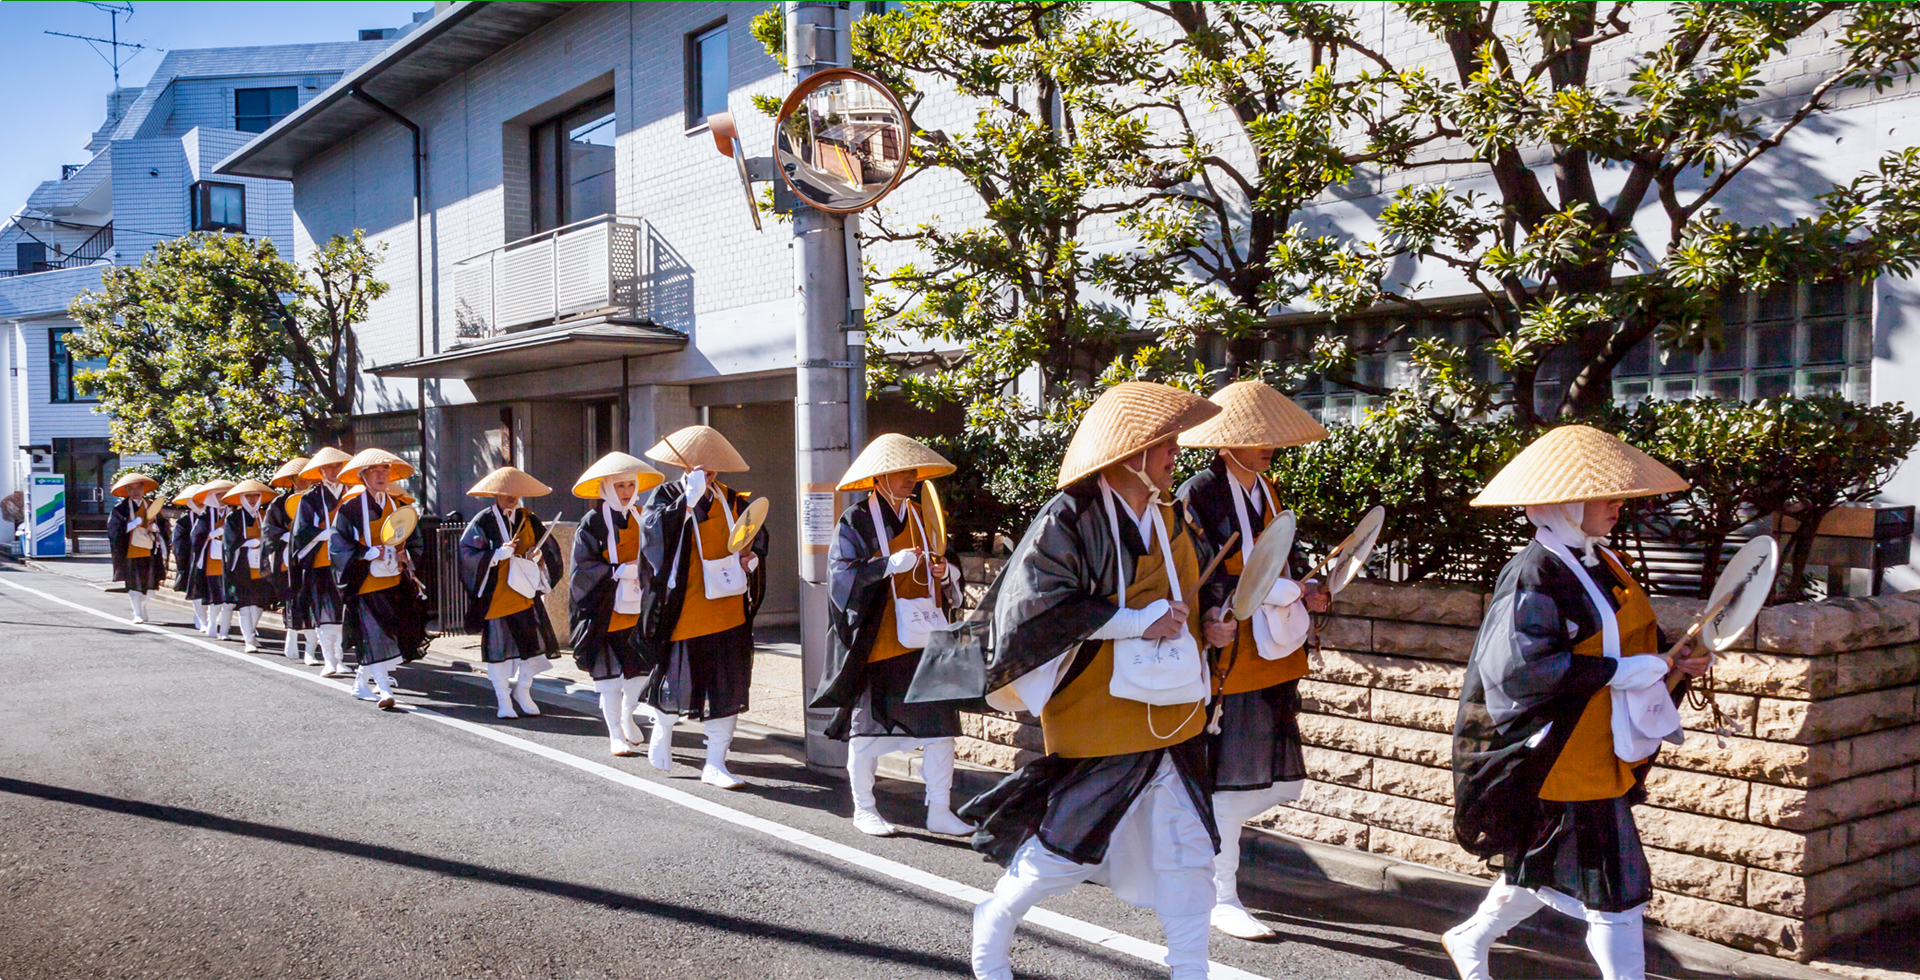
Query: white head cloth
{"points": [[1561, 523]]}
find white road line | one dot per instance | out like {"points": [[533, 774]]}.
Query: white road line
{"points": [[1052, 921]]}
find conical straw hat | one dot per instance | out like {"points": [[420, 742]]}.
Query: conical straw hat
{"points": [[215, 488], [615, 464], [399, 469], [188, 494], [511, 482], [324, 457], [894, 453], [699, 445], [1127, 419], [1254, 416], [1575, 463], [289, 471], [232, 494], [130, 483]]}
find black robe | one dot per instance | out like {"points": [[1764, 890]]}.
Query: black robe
{"points": [[242, 588], [859, 595], [1522, 678], [381, 625], [275, 528], [212, 588], [1055, 591], [1259, 739], [604, 655], [704, 677], [527, 633], [188, 580], [140, 574], [666, 552], [318, 603]]}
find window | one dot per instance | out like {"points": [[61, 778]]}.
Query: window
{"points": [[572, 166], [1797, 338], [218, 207], [61, 366], [706, 74], [30, 257], [255, 109]]}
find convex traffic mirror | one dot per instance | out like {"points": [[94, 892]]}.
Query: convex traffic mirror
{"points": [[840, 141]]}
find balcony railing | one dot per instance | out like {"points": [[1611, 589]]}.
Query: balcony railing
{"points": [[88, 252], [591, 268]]}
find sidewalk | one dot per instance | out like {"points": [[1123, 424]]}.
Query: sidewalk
{"points": [[1271, 862]]}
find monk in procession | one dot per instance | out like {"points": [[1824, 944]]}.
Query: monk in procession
{"points": [[278, 531], [310, 556], [1096, 630], [188, 578], [384, 606], [251, 590], [701, 598], [137, 538], [889, 587], [209, 550], [1257, 758], [507, 561], [1568, 695], [606, 594]]}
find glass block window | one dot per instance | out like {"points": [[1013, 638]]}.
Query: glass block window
{"points": [[1798, 338]]}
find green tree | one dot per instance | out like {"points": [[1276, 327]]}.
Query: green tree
{"points": [[220, 353], [1552, 252]]}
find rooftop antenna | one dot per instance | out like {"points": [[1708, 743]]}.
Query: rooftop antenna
{"points": [[114, 12]]}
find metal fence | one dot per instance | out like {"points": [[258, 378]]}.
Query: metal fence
{"points": [[450, 599]]}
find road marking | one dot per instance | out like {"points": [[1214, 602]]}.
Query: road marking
{"points": [[1052, 921]]}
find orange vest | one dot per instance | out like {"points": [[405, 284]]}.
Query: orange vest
{"points": [[699, 615], [626, 548], [1242, 668], [505, 601], [253, 534], [134, 551], [912, 584], [1587, 769], [377, 522], [1083, 720], [215, 529]]}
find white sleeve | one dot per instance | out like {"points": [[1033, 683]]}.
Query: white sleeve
{"points": [[1637, 672], [1129, 623], [1029, 692], [901, 561]]}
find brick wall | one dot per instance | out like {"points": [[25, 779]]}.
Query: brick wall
{"points": [[1798, 826]]}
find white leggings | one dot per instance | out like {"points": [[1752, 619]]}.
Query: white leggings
{"points": [[1231, 811], [1616, 939], [619, 698]]}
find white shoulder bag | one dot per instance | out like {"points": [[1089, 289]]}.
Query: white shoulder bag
{"points": [[1155, 672], [1280, 622], [140, 537], [914, 620], [721, 576], [523, 574], [627, 594], [388, 564]]}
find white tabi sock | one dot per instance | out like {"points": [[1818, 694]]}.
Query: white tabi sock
{"points": [[660, 747], [719, 738], [383, 680], [631, 689], [501, 675], [610, 691], [936, 767], [361, 675], [249, 627], [200, 615], [333, 641], [137, 601], [222, 620], [290, 644], [863, 762], [529, 668], [1470, 943], [313, 656]]}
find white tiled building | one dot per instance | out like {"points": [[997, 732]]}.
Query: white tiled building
{"points": [[476, 369], [148, 178]]}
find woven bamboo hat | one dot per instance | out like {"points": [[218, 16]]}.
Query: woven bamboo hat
{"points": [[217, 488], [894, 453], [616, 464], [1576, 463], [232, 494], [1126, 419], [699, 445], [1254, 416], [289, 471], [511, 482], [324, 457], [398, 469], [188, 494], [130, 483]]}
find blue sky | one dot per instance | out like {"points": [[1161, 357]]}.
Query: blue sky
{"points": [[58, 86]]}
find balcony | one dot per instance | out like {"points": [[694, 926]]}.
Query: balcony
{"points": [[574, 295]]}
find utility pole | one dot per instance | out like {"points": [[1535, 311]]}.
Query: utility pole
{"points": [[817, 39]]}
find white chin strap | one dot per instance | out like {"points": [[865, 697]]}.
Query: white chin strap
{"points": [[1153, 489]]}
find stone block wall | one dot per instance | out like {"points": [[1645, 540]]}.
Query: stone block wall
{"points": [[1797, 825]]}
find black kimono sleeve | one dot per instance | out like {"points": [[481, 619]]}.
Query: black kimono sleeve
{"points": [[1056, 589], [117, 534]]}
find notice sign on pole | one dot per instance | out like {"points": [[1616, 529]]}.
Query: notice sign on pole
{"points": [[818, 515]]}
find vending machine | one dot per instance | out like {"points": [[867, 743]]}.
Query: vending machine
{"points": [[46, 515]]}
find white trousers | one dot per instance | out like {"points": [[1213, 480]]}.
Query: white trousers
{"points": [[250, 624], [200, 615], [219, 620], [138, 600], [619, 697], [333, 638], [1231, 811], [936, 766], [1159, 856], [1615, 939]]}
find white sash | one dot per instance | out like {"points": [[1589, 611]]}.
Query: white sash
{"points": [[1642, 718]]}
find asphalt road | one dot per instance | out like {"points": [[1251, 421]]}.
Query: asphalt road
{"points": [[170, 810]]}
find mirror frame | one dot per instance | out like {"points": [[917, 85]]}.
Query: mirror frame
{"points": [[799, 95]]}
